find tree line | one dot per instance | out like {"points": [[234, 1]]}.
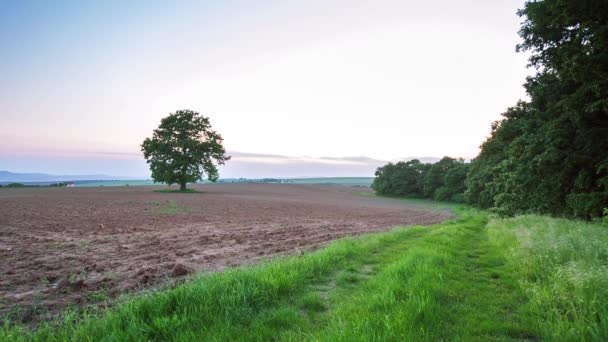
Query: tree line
{"points": [[441, 181], [549, 154]]}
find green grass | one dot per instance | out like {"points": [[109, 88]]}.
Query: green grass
{"points": [[170, 207], [563, 267], [472, 278]]}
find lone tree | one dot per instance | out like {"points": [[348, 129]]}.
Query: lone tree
{"points": [[184, 148]]}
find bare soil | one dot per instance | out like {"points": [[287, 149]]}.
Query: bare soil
{"points": [[82, 246]]}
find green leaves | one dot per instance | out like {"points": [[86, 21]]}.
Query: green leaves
{"points": [[546, 155], [183, 149], [443, 181]]}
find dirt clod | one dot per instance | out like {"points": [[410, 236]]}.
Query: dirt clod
{"points": [[181, 270], [78, 284]]}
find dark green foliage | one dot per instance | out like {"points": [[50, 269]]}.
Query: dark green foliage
{"points": [[183, 148], [443, 181], [401, 179], [550, 155]]}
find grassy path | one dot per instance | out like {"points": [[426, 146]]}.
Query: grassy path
{"points": [[449, 283], [484, 294]]}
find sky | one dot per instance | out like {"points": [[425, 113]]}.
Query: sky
{"points": [[296, 88]]}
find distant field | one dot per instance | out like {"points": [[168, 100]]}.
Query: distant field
{"points": [[344, 181], [115, 183], [347, 181]]}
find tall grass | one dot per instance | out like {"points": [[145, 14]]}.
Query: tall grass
{"points": [[563, 266]]}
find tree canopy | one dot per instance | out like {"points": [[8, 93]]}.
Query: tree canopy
{"points": [[550, 155], [183, 149]]}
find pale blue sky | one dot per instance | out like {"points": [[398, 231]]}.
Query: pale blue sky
{"points": [[84, 82]]}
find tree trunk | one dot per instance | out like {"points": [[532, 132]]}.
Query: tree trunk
{"points": [[182, 187]]}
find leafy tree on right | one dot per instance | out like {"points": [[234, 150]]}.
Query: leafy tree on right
{"points": [[550, 155]]}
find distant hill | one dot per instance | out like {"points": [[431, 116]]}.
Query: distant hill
{"points": [[6, 176]]}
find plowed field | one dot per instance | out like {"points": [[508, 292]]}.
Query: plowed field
{"points": [[62, 246]]}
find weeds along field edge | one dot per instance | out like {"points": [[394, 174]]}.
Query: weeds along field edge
{"points": [[562, 265]]}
